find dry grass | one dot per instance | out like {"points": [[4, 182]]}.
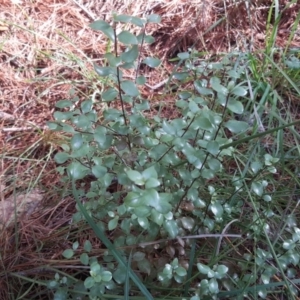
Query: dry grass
{"points": [[47, 49]]}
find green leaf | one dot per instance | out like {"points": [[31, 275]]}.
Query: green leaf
{"points": [[68, 128], [77, 170], [105, 28], [144, 266], [236, 126], [193, 106], [138, 21], [54, 126], [239, 91], [109, 95], [82, 121], [213, 147], [159, 201], [203, 123], [180, 271], [214, 164], [153, 18], [113, 61], [143, 222], [183, 55], [235, 106], [168, 270], [217, 209], [157, 217], [127, 38], [149, 173], [86, 106], [168, 128], [113, 223], [95, 268], [208, 174], [87, 246], [100, 135], [122, 18], [217, 86], [257, 188], [141, 80], [63, 116], [234, 74], [203, 269], [99, 171], [130, 55], [142, 211], [76, 141], [106, 276], [64, 104], [119, 274], [221, 271], [136, 177], [130, 88], [152, 183], [187, 223], [182, 76], [232, 104], [61, 157], [84, 259], [89, 282], [213, 286], [133, 199], [75, 245], [202, 90], [148, 39], [138, 256], [172, 228], [184, 95], [105, 71], [68, 253], [129, 19], [151, 62]]}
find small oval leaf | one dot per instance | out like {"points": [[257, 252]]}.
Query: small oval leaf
{"points": [[127, 38], [131, 55], [109, 95], [68, 253], [105, 28], [130, 88], [152, 62]]}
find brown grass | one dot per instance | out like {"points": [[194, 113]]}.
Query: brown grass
{"points": [[47, 49]]}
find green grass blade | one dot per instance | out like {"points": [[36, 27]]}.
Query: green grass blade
{"points": [[261, 134], [127, 287]]}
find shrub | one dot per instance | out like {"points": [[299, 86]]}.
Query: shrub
{"points": [[145, 180]]}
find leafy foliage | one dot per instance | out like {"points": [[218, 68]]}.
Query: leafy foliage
{"points": [[182, 178]]}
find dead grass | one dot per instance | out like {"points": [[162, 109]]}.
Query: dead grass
{"points": [[47, 49]]}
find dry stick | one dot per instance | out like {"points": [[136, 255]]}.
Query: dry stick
{"points": [[6, 117], [15, 129], [199, 236], [157, 86], [90, 14], [223, 234]]}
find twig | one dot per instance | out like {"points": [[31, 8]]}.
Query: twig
{"points": [[85, 10], [6, 117], [157, 86], [15, 129], [199, 236]]}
